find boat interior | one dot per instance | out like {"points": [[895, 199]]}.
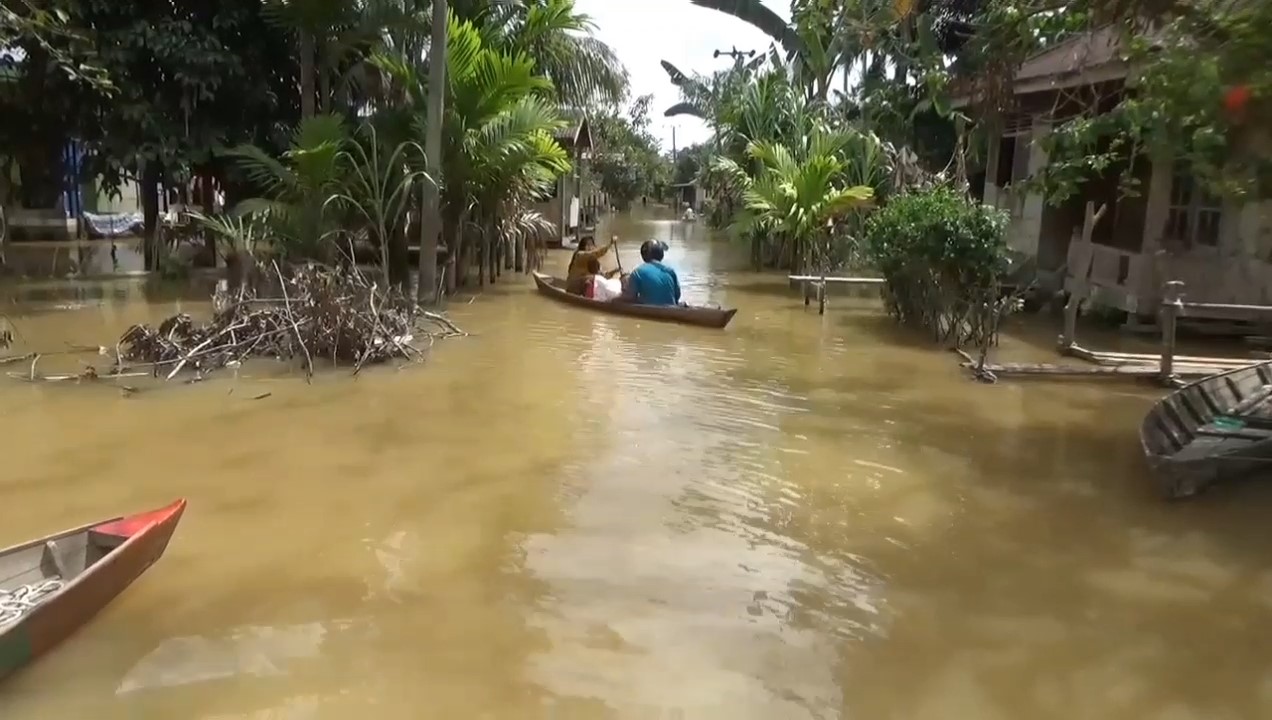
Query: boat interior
{"points": [[62, 557], [1221, 414]]}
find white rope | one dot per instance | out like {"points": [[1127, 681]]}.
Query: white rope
{"points": [[22, 599]]}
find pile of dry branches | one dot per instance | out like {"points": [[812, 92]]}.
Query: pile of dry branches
{"points": [[312, 312]]}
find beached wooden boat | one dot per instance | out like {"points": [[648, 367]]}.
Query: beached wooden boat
{"points": [[689, 315], [1217, 428], [51, 586]]}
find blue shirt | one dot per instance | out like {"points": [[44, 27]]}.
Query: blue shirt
{"points": [[655, 284]]}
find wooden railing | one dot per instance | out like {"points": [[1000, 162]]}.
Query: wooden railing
{"points": [[815, 285], [1167, 365]]}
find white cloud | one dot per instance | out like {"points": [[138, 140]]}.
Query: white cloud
{"points": [[642, 32]]}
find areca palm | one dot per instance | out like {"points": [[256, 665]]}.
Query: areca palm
{"points": [[799, 193], [499, 121]]}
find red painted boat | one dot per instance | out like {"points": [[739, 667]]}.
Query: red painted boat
{"points": [[51, 586]]}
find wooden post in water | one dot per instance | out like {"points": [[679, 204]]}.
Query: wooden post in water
{"points": [[1081, 285], [1070, 333], [1171, 308]]}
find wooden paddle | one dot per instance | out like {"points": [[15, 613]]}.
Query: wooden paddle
{"points": [[617, 256]]}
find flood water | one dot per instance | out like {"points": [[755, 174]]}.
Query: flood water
{"points": [[569, 515]]}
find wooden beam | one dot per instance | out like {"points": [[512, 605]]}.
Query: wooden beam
{"points": [[836, 280]]}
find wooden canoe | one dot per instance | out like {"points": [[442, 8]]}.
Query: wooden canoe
{"points": [[688, 315], [1217, 428], [76, 573]]}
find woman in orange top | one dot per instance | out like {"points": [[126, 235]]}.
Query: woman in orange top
{"points": [[576, 279]]}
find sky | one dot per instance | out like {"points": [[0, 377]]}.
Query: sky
{"points": [[683, 34]]}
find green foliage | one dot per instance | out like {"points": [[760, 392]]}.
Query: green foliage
{"points": [[170, 91], [241, 236], [45, 30], [627, 160], [941, 256], [691, 162], [1184, 58], [298, 190], [799, 194], [379, 187], [582, 70]]}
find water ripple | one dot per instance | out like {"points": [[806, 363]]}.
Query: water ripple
{"points": [[702, 452]]}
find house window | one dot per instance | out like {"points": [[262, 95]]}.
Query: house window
{"points": [[1194, 214]]}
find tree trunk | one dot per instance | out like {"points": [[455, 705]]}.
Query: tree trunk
{"points": [[431, 205], [454, 261], [307, 57], [519, 254], [490, 254], [207, 199], [324, 91], [150, 213], [400, 260]]}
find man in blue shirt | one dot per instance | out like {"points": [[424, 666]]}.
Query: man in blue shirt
{"points": [[653, 283]]}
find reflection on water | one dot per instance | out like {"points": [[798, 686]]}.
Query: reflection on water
{"points": [[572, 515]]}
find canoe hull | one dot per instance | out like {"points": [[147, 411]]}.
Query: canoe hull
{"points": [[700, 316], [1185, 455], [144, 537]]}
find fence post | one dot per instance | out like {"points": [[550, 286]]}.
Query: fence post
{"points": [[1069, 337], [1172, 307]]}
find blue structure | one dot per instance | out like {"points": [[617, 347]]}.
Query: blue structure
{"points": [[72, 189]]}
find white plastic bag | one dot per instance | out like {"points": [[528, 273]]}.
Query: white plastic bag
{"points": [[606, 289]]}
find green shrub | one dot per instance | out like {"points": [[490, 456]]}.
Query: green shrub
{"points": [[940, 255]]}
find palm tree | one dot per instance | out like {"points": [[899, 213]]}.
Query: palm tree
{"points": [[333, 37], [298, 188], [584, 70], [823, 38], [799, 194], [499, 119]]}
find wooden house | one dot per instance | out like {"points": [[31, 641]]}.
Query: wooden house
{"points": [[1173, 230]]}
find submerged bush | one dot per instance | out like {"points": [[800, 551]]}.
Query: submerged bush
{"points": [[941, 256]]}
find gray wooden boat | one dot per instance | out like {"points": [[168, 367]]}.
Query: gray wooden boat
{"points": [[1217, 428]]}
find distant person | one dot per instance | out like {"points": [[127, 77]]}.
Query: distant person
{"points": [[577, 277], [653, 283]]}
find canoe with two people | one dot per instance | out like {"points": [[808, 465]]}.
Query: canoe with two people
{"points": [[653, 283], [585, 276]]}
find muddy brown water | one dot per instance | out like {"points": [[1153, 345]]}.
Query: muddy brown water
{"points": [[569, 515]]}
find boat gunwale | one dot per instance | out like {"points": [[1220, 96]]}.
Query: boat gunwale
{"points": [[171, 514]]}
